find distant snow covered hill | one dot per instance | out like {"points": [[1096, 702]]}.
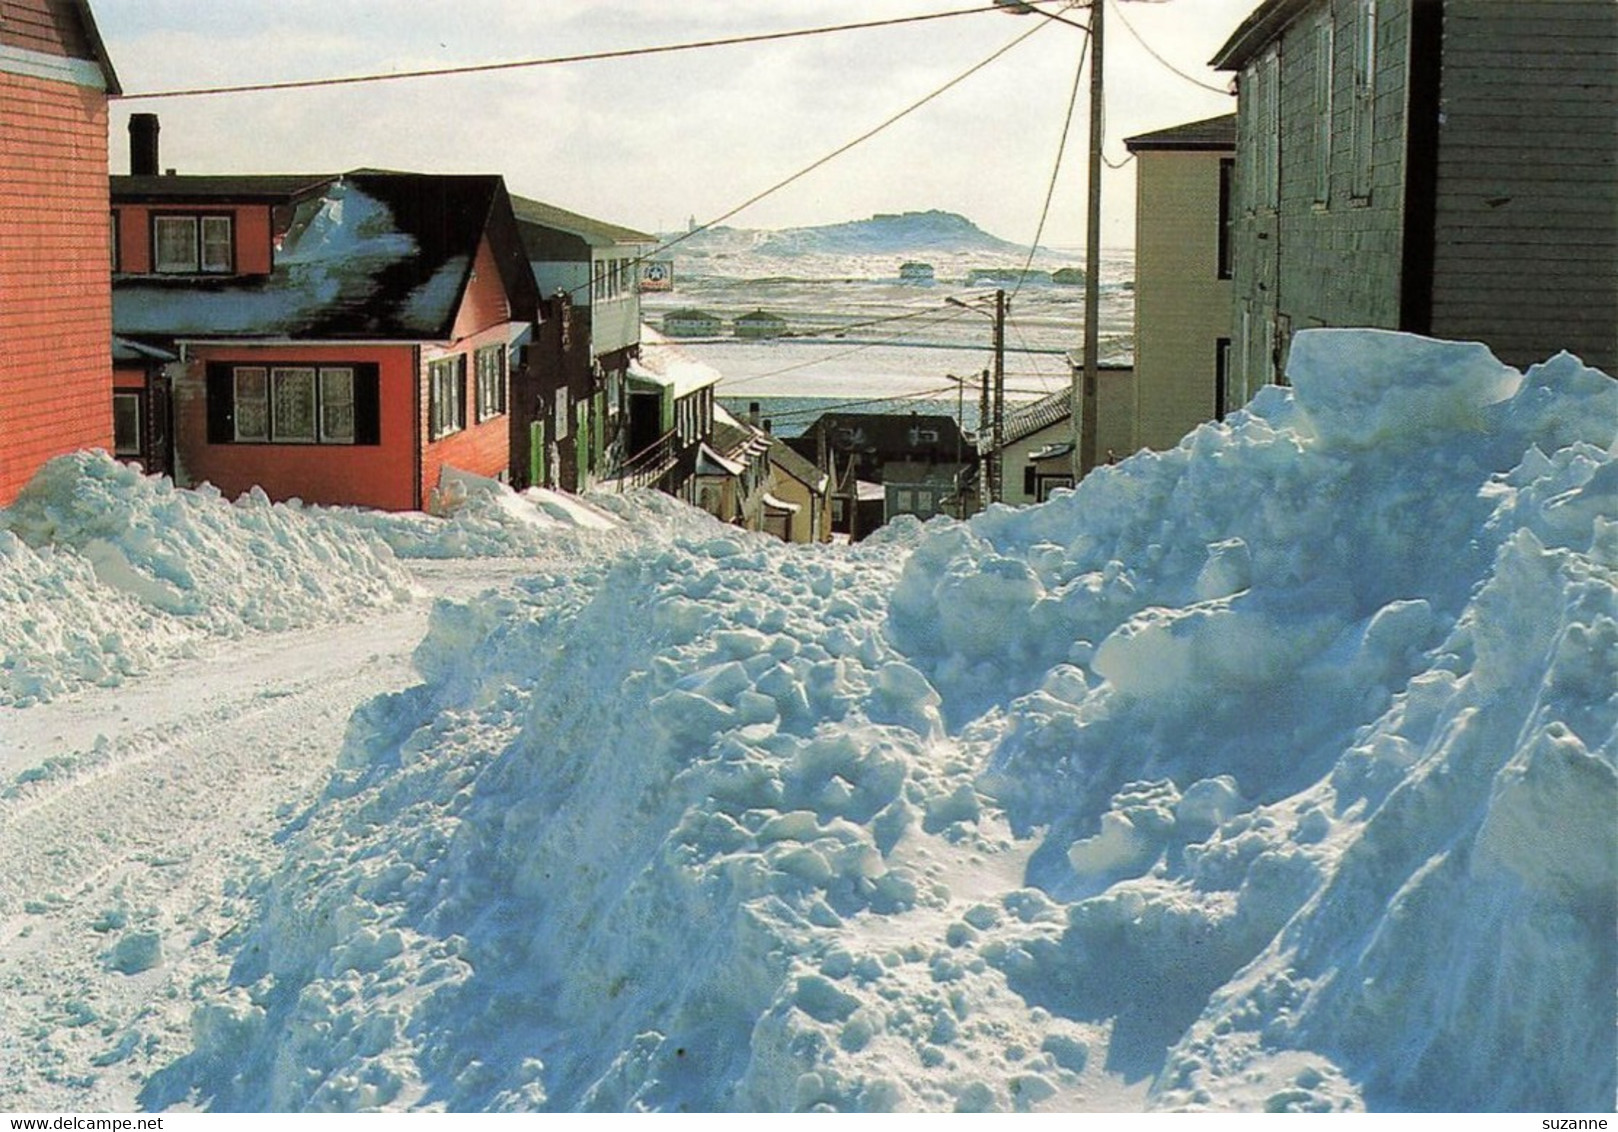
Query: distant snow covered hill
{"points": [[1278, 771], [883, 234]]}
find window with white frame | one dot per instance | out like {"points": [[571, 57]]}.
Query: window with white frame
{"points": [[490, 362], [337, 405], [446, 381], [252, 399], [1364, 107], [1269, 138], [126, 414], [293, 405], [1325, 74], [192, 244]]}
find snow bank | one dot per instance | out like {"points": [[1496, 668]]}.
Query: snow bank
{"points": [[105, 572], [1276, 771], [474, 516]]}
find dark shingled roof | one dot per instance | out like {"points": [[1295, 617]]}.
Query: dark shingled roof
{"points": [[257, 188], [796, 466], [399, 277], [1210, 133]]}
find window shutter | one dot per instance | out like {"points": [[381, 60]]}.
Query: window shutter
{"points": [[367, 405], [221, 404]]}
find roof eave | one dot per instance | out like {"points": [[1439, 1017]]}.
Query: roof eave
{"points": [[93, 34], [1261, 26]]}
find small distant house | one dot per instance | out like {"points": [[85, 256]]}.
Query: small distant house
{"points": [[1037, 449], [1182, 278], [922, 490], [1068, 276], [1037, 438], [914, 271], [56, 313], [689, 323], [1438, 166], [671, 416], [866, 442], [760, 324], [730, 473], [342, 342], [802, 494], [569, 404]]}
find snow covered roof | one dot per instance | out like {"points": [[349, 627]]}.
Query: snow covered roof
{"points": [[664, 364], [128, 350], [375, 255]]}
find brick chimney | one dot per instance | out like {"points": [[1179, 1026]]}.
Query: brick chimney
{"points": [[143, 145]]}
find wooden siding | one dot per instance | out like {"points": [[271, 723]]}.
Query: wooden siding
{"points": [[251, 228], [1182, 307], [481, 448], [1339, 260], [1526, 232], [56, 320], [379, 475]]}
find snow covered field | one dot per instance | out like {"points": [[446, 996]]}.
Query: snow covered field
{"points": [[1273, 772]]}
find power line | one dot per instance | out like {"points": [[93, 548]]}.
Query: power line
{"points": [[947, 316], [550, 61], [842, 149], [1117, 11], [1056, 167]]}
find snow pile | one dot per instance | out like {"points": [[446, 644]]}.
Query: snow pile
{"points": [[105, 572], [477, 517], [1276, 771]]}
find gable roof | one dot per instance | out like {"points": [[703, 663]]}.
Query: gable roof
{"points": [[555, 233], [1031, 418], [761, 315], [1209, 134], [785, 457], [1262, 25], [98, 49], [374, 255]]}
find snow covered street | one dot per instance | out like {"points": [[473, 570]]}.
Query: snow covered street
{"points": [[1274, 772], [126, 844]]}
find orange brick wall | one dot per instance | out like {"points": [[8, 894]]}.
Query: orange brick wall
{"points": [[56, 316]]}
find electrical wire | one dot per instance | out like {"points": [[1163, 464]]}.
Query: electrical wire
{"points": [[842, 149], [550, 61], [947, 316], [1147, 47], [1056, 167]]}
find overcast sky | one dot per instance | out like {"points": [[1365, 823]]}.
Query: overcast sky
{"points": [[648, 142]]}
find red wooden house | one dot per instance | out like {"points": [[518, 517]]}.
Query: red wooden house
{"points": [[340, 341], [55, 320]]}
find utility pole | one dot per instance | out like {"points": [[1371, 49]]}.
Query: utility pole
{"points": [[1086, 399], [998, 421]]}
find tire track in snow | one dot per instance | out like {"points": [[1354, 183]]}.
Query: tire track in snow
{"points": [[164, 795]]}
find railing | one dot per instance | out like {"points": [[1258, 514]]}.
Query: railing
{"points": [[648, 465]]}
